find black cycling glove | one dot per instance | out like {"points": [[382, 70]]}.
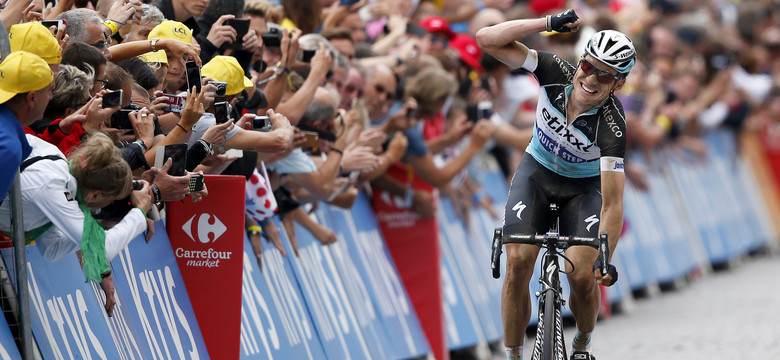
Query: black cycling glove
{"points": [[611, 270], [557, 22]]}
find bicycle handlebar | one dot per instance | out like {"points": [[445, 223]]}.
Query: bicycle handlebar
{"points": [[561, 242]]}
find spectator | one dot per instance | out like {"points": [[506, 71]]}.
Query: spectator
{"points": [[26, 84], [86, 26], [36, 38], [140, 30], [89, 60]]}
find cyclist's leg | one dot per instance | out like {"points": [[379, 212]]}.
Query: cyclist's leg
{"points": [[580, 216], [526, 212]]}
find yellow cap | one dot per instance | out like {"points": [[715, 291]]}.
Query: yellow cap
{"points": [[154, 57], [227, 69], [22, 72], [37, 39], [170, 29]]}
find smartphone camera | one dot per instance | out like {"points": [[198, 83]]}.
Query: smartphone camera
{"points": [[193, 76], [484, 110], [221, 87], [137, 185], [307, 55], [261, 123], [112, 99], [272, 38], [196, 183], [222, 112]]}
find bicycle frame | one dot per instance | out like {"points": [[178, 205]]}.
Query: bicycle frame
{"points": [[551, 301]]}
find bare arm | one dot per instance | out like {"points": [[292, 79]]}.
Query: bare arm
{"points": [[612, 184], [501, 40]]}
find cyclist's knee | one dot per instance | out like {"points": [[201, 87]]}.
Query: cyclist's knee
{"points": [[581, 280], [520, 264]]}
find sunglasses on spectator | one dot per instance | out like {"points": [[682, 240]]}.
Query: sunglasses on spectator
{"points": [[603, 76], [381, 89], [442, 39], [101, 44]]}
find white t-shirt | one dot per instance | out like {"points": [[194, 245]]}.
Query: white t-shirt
{"points": [[49, 196]]}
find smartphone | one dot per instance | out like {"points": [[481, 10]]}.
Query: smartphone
{"points": [[196, 183], [112, 99], [193, 76], [272, 38], [242, 27], [177, 152], [261, 123], [222, 112], [347, 2], [175, 103], [121, 120], [307, 55], [311, 140], [137, 185], [221, 87], [484, 110], [58, 23]]}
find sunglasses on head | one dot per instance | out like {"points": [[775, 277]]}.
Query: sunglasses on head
{"points": [[602, 76]]}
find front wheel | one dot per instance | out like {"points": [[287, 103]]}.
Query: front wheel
{"points": [[549, 344]]}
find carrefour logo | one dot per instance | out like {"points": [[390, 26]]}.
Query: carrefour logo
{"points": [[206, 230]]}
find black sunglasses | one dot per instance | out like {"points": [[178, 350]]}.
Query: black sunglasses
{"points": [[602, 76]]}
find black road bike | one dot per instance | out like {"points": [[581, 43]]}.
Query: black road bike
{"points": [[549, 343]]}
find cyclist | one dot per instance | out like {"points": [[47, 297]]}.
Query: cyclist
{"points": [[576, 161]]}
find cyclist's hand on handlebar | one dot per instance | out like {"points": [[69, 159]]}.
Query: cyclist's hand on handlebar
{"points": [[606, 280]]}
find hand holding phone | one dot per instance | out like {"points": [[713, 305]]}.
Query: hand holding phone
{"points": [[112, 99], [222, 112], [196, 182], [261, 123], [242, 28], [193, 76], [178, 154]]}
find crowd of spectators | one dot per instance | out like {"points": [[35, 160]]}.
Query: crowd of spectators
{"points": [[314, 101]]}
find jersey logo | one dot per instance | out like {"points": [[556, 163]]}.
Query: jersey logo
{"points": [[519, 207], [591, 220]]}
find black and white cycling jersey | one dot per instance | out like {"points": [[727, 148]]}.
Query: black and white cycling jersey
{"points": [[595, 141]]}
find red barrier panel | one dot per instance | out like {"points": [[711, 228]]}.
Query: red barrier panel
{"points": [[208, 241]]}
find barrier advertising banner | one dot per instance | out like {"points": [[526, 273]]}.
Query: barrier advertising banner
{"points": [[275, 322], [383, 308], [153, 316], [323, 290], [208, 241], [8, 349]]}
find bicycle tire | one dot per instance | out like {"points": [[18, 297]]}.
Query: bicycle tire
{"points": [[548, 343]]}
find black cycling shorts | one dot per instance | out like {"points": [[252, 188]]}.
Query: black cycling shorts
{"points": [[535, 187]]}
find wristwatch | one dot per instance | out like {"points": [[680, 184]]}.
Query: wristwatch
{"points": [[153, 44]]}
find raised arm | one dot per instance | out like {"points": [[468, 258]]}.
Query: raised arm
{"points": [[501, 40]]}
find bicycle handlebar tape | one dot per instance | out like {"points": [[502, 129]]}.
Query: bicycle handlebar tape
{"points": [[495, 255]]}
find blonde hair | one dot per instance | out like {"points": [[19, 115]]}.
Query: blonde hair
{"points": [[98, 165], [430, 87]]}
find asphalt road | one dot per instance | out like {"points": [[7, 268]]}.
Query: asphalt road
{"points": [[732, 313]]}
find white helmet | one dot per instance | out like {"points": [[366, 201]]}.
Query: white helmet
{"points": [[614, 49]]}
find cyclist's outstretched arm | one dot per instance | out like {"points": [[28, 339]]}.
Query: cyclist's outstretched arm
{"points": [[612, 184], [502, 40]]}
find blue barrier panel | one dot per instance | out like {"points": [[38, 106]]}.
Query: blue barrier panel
{"points": [[461, 323], [721, 153], [8, 348], [637, 272], [151, 296], [275, 323], [481, 229], [649, 235], [468, 269], [685, 171], [66, 316], [665, 206], [326, 299], [361, 256]]}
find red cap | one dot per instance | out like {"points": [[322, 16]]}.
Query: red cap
{"points": [[437, 23], [468, 50]]}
